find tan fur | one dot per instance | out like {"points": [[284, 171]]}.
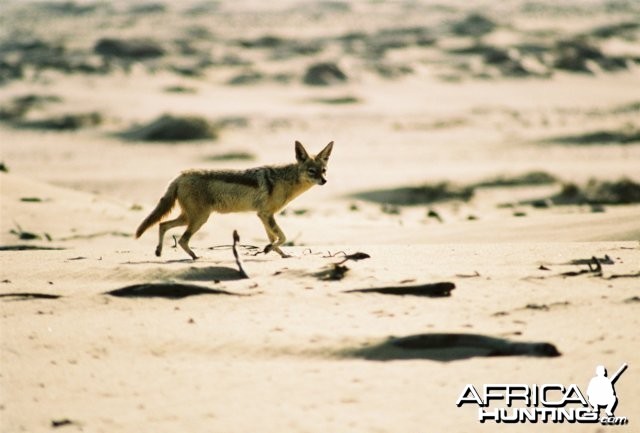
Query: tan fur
{"points": [[265, 190]]}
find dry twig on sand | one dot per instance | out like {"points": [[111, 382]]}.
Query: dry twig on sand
{"points": [[236, 239]]}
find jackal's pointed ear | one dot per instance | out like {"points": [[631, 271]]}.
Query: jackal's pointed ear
{"points": [[301, 153], [324, 154]]}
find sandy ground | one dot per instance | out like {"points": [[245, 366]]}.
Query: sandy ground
{"points": [[288, 349]]}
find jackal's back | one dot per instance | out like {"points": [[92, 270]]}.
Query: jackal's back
{"points": [[263, 188]]}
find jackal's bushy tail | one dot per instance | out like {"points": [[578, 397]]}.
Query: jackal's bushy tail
{"points": [[164, 207]]}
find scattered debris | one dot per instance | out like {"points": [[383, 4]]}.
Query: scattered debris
{"points": [[475, 274], [24, 235], [435, 215], [355, 257], [606, 260], [433, 290], [96, 235], [335, 272], [615, 276], [61, 422], [545, 307]]}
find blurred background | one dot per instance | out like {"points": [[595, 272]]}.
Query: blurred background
{"points": [[486, 104]]}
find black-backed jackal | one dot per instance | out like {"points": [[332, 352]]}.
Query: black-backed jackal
{"points": [[265, 190]]}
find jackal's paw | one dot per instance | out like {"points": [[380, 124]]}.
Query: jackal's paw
{"points": [[158, 252], [268, 249]]}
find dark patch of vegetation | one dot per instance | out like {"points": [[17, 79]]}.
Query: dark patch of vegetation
{"points": [[434, 290], [180, 89], [148, 8], [397, 38], [3, 167], [231, 156], [21, 52], [247, 77], [449, 347], [69, 7], [631, 107], [233, 122], [391, 70], [66, 122], [28, 296], [283, 48], [188, 71], [340, 100], [165, 290], [376, 45], [10, 71], [507, 60], [575, 54], [19, 106], [174, 128], [324, 74], [595, 192], [531, 178], [625, 30], [129, 48], [628, 135], [474, 25], [425, 194], [263, 42], [28, 248]]}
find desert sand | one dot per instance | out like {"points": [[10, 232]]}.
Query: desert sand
{"points": [[486, 165]]}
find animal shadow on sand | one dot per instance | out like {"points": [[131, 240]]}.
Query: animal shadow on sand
{"points": [[446, 347], [208, 273]]}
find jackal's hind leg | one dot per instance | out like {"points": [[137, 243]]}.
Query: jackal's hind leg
{"points": [[274, 233], [192, 228], [167, 225]]}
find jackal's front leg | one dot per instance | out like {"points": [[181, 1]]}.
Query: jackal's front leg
{"points": [[274, 233]]}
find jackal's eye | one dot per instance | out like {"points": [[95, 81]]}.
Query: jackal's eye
{"points": [[312, 172]]}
